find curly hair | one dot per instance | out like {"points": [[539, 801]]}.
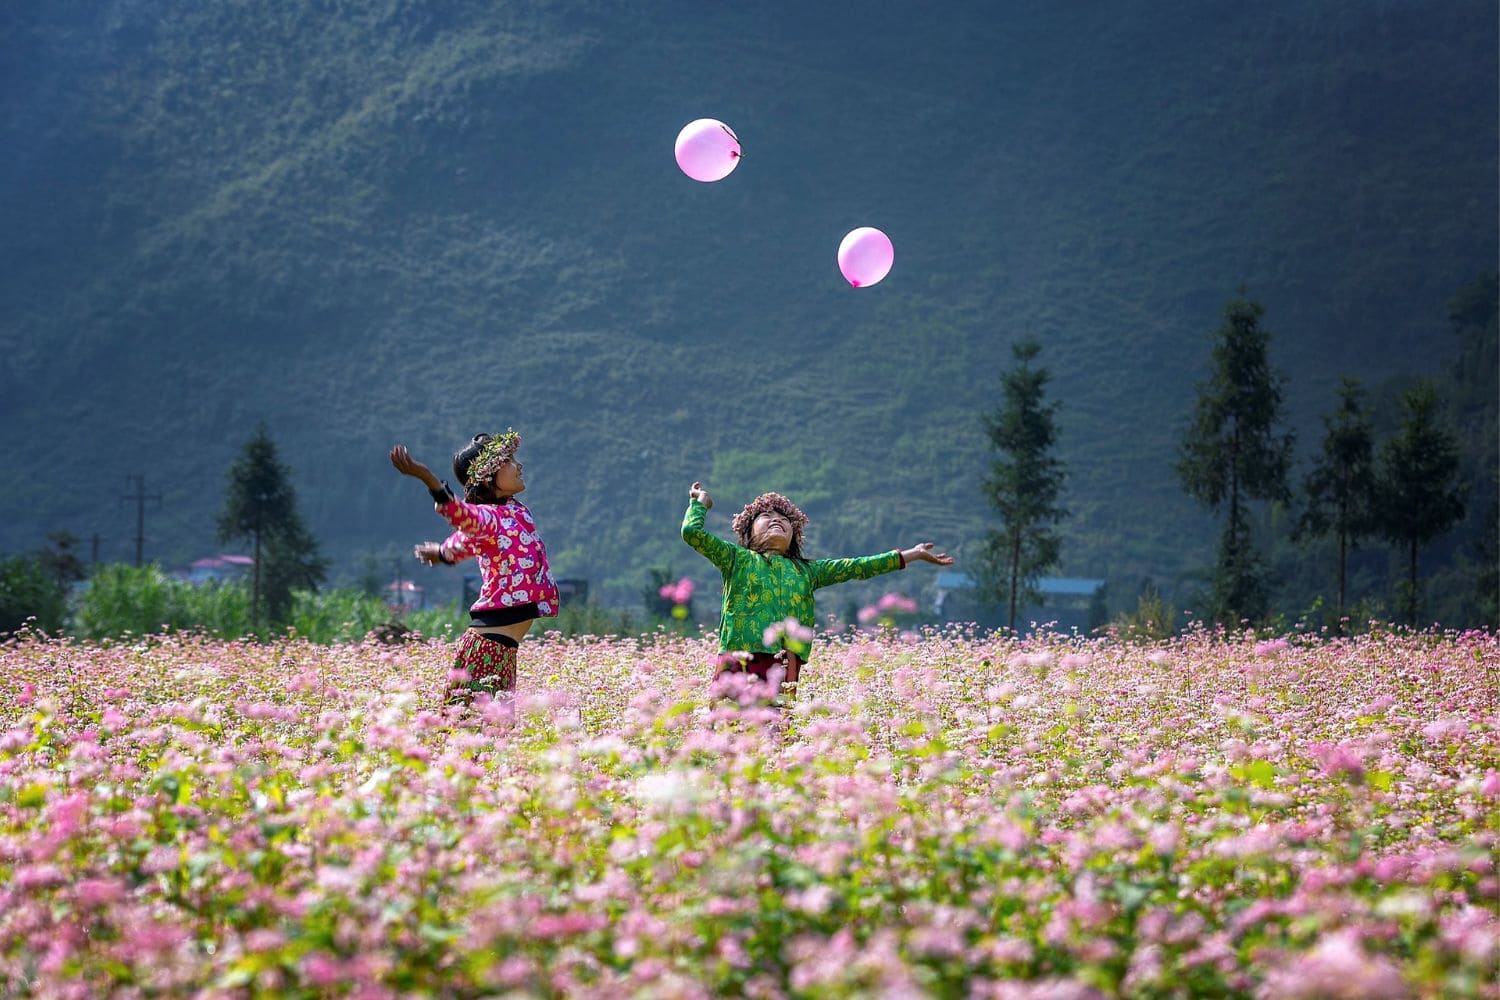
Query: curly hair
{"points": [[762, 504]]}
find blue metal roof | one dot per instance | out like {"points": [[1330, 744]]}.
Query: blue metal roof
{"points": [[950, 579]]}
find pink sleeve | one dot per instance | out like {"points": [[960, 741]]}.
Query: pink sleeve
{"points": [[456, 547], [471, 519]]}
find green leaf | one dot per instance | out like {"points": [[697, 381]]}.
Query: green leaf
{"points": [[32, 795]]}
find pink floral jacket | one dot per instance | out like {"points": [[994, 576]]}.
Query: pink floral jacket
{"points": [[513, 568]]}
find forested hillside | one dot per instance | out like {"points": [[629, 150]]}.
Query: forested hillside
{"points": [[404, 221]]}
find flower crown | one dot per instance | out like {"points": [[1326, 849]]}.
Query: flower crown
{"points": [[495, 452], [769, 502]]}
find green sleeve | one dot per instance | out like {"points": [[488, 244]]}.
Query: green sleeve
{"points": [[710, 546], [827, 572]]}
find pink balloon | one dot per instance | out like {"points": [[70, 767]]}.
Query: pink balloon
{"points": [[865, 256], [707, 150]]}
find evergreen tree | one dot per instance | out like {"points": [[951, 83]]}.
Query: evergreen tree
{"points": [[1232, 453], [1419, 495], [262, 506], [1024, 485], [1340, 489], [59, 557]]}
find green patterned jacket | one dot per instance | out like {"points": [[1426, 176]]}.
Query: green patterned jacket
{"points": [[764, 590]]}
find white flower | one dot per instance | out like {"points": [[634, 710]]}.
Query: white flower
{"points": [[665, 788]]}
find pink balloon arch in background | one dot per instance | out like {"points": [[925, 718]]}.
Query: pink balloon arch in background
{"points": [[707, 150], [865, 256]]}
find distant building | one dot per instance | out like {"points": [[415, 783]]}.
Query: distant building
{"points": [[1070, 602], [471, 591], [218, 569], [404, 594], [571, 591]]}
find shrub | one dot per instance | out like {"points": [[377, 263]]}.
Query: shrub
{"points": [[28, 591]]}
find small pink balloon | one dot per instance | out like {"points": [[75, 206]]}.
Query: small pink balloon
{"points": [[865, 256], [707, 150]]}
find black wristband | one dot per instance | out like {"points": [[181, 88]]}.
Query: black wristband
{"points": [[902, 556], [441, 495]]}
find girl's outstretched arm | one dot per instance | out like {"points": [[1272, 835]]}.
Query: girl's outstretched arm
{"points": [[430, 553], [924, 553], [453, 549], [827, 572]]}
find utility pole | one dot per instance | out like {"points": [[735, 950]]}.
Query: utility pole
{"points": [[140, 497]]}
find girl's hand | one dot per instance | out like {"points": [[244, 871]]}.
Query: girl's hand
{"points": [[699, 494], [408, 466], [428, 552], [924, 553]]}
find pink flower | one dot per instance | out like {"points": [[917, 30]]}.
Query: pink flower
{"points": [[1448, 728], [1337, 968], [1474, 933], [1341, 760], [815, 899], [322, 969], [897, 603], [96, 892], [791, 628], [38, 876], [264, 939]]}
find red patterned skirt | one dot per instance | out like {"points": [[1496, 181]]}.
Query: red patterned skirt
{"points": [[760, 665], [486, 663]]}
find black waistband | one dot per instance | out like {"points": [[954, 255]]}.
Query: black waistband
{"points": [[505, 616], [496, 637]]}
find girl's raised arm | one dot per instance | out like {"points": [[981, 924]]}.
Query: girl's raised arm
{"points": [[408, 466], [705, 543]]}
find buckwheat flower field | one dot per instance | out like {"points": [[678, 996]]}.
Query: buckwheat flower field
{"points": [[946, 816]]}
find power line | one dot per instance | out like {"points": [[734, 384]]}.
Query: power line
{"points": [[140, 497]]}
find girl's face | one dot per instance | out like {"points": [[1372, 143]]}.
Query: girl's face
{"points": [[771, 532], [508, 478]]}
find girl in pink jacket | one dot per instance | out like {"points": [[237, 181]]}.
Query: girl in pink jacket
{"points": [[496, 529]]}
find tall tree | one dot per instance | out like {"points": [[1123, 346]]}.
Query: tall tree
{"points": [[1024, 485], [261, 505], [1340, 489], [1233, 453], [1419, 496], [59, 557]]}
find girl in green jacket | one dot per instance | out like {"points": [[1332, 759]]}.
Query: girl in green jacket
{"points": [[767, 580]]}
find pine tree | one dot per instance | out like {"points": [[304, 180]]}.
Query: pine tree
{"points": [[1340, 489], [1024, 485], [1232, 453], [1419, 495], [59, 557], [262, 506]]}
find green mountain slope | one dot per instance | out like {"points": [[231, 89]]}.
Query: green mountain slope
{"points": [[392, 222]]}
